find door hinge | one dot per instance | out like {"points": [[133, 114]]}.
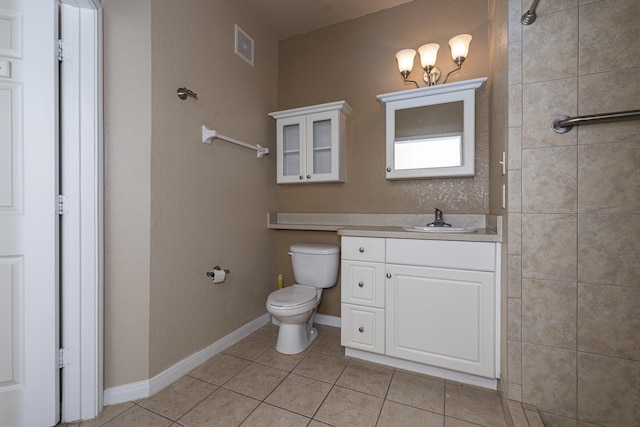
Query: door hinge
{"points": [[63, 204], [64, 358], [60, 50]]}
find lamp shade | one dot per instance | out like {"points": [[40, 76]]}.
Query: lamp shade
{"points": [[428, 54], [460, 46], [405, 59]]}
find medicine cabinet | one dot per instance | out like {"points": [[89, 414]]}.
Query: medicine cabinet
{"points": [[430, 131], [310, 143]]}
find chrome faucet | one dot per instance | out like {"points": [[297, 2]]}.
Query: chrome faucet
{"points": [[438, 222]]}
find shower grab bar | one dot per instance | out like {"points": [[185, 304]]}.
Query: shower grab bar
{"points": [[564, 124], [208, 134]]}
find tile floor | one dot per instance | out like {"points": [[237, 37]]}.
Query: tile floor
{"points": [[250, 384]]}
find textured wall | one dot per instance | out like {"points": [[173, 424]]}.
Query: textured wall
{"points": [[127, 141], [176, 207], [355, 61], [574, 213], [208, 202]]}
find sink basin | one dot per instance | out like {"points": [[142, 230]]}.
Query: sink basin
{"points": [[424, 229]]}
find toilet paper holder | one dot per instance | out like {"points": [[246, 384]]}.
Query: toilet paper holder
{"points": [[216, 273]]}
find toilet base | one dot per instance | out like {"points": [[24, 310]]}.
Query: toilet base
{"points": [[294, 338]]}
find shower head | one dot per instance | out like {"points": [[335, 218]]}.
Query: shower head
{"points": [[530, 16]]}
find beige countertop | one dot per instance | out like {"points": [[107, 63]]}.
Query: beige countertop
{"points": [[389, 225]]}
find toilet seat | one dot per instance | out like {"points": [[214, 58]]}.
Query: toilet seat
{"points": [[292, 297]]}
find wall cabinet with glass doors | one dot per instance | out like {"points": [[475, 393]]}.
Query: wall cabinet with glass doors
{"points": [[310, 143]]}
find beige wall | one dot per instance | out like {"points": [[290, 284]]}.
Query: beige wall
{"points": [[574, 221], [355, 61], [177, 207], [127, 135], [208, 202]]}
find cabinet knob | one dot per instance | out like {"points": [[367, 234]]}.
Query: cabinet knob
{"points": [[361, 249], [361, 329], [360, 284], [388, 275], [301, 177], [308, 176], [388, 169]]}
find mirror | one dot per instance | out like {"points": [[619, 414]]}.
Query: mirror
{"points": [[429, 136], [430, 131]]}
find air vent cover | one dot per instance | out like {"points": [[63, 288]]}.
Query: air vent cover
{"points": [[244, 45]]}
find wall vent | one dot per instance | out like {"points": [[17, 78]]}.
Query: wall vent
{"points": [[244, 45]]}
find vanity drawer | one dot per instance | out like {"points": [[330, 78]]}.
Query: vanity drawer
{"points": [[363, 248], [363, 328], [363, 283]]}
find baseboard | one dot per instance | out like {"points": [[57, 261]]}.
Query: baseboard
{"points": [[146, 388], [325, 319]]}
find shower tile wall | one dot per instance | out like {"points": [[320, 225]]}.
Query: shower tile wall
{"points": [[573, 340]]}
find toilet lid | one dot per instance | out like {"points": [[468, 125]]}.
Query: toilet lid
{"points": [[292, 296]]}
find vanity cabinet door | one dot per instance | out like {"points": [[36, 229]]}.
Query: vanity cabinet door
{"points": [[441, 317]]}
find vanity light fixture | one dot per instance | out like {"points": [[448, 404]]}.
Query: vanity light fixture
{"points": [[428, 53]]}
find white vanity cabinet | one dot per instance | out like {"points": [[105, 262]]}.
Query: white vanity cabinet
{"points": [[363, 293], [439, 303], [310, 143]]}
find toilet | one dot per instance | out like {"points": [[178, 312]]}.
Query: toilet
{"points": [[315, 267]]}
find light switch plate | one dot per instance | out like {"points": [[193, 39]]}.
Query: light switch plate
{"points": [[5, 68]]}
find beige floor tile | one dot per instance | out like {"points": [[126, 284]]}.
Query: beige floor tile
{"points": [[268, 332], [108, 413], [267, 415], [222, 408], [474, 405], [366, 377], [219, 369], [325, 330], [256, 381], [139, 417], [248, 348], [286, 362], [316, 423], [417, 390], [178, 398], [398, 415], [455, 422], [321, 367], [349, 408], [299, 394], [329, 344]]}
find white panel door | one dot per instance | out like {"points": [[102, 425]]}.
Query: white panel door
{"points": [[29, 374]]}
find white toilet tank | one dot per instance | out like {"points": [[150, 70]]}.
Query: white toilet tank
{"points": [[315, 264]]}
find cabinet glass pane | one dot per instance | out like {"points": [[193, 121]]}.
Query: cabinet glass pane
{"points": [[322, 146], [291, 164], [291, 138], [291, 150]]}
